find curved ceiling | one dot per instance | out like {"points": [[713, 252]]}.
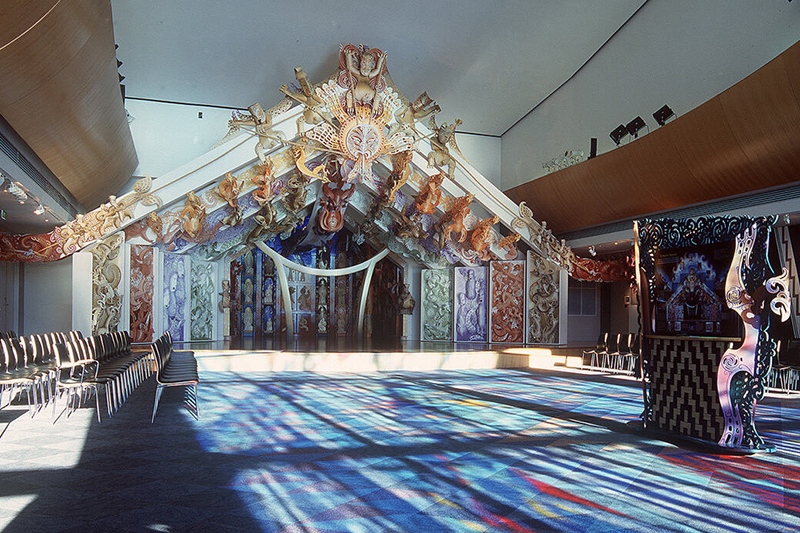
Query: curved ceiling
{"points": [[743, 140], [60, 92]]}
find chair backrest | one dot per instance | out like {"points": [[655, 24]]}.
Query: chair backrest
{"points": [[9, 355], [601, 342], [4, 348], [624, 344], [39, 355], [19, 353], [611, 343], [636, 348], [792, 355]]}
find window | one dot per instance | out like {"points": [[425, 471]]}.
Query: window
{"points": [[582, 298]]}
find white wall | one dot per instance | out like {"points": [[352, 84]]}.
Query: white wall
{"points": [[9, 296], [662, 56], [167, 136], [46, 297], [483, 153]]}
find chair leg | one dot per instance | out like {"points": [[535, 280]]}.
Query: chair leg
{"points": [[159, 390]]}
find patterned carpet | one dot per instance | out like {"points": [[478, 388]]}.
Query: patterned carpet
{"points": [[480, 450]]}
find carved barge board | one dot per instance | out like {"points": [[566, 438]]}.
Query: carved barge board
{"points": [[541, 301], [437, 305], [470, 309], [507, 297]]}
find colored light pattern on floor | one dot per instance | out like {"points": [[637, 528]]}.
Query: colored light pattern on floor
{"points": [[491, 450], [469, 450]]}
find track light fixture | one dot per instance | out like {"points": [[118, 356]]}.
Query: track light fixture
{"points": [[617, 135], [634, 126], [662, 115]]}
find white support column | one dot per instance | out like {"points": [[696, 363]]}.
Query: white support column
{"points": [[187, 301], [125, 288], [158, 293], [563, 306], [413, 276], [82, 292]]}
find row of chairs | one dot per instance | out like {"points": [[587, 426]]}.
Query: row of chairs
{"points": [[785, 374], [615, 352], [28, 365], [106, 361], [175, 369], [45, 367]]}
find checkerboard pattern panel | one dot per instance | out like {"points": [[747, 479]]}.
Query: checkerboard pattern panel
{"points": [[684, 387]]}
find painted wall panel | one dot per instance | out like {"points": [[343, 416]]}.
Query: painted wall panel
{"points": [[507, 301], [471, 304]]}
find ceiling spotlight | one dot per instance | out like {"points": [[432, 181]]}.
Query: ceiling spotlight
{"points": [[635, 125], [663, 114], [39, 210], [18, 192], [617, 135]]}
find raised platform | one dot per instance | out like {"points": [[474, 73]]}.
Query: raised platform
{"points": [[454, 358]]}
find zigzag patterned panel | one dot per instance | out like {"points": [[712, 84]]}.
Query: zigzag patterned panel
{"points": [[683, 386]]}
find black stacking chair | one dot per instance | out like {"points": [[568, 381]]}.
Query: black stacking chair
{"points": [[592, 354], [75, 377], [612, 347], [617, 358], [175, 369], [14, 377], [790, 367]]}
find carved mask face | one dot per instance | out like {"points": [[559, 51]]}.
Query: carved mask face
{"points": [[367, 64]]}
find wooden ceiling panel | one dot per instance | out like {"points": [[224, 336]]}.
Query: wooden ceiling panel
{"points": [[765, 122], [742, 140], [21, 15], [65, 100]]}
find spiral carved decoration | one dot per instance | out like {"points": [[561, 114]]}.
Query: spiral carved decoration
{"points": [[106, 277]]}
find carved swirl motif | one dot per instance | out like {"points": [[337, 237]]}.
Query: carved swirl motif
{"points": [[437, 287], [106, 276], [781, 305], [141, 296], [542, 300], [202, 300], [507, 300]]}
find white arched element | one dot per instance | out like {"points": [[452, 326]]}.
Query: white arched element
{"points": [[281, 263]]}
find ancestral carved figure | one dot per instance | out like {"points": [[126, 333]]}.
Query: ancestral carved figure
{"points": [[193, 215], [407, 115], [263, 181], [479, 236], [228, 190], [453, 220], [225, 301], [263, 223], [430, 195], [262, 122], [507, 243], [401, 169], [364, 69], [333, 202], [409, 227], [445, 135], [406, 302], [315, 111], [293, 195]]}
